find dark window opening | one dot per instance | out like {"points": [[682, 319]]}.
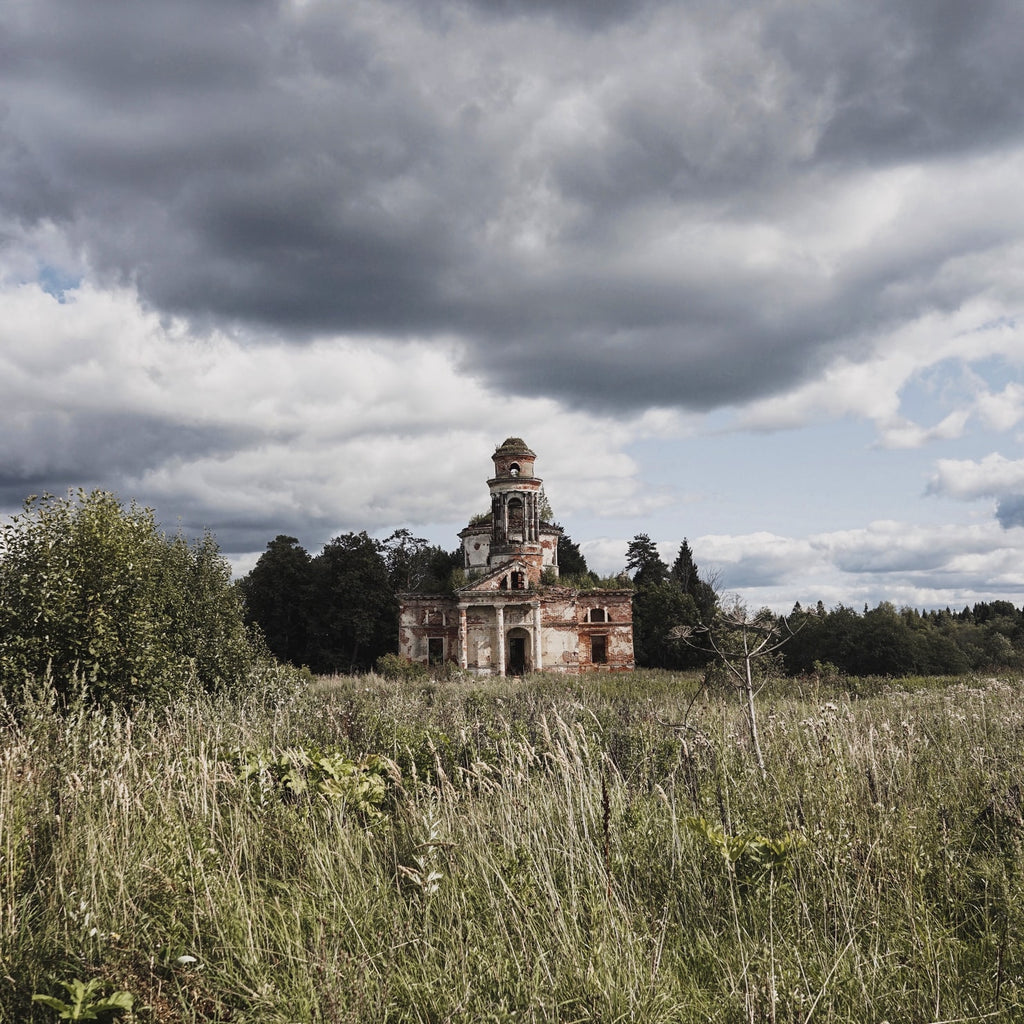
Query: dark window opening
{"points": [[599, 650], [598, 615], [513, 470], [435, 650], [518, 581]]}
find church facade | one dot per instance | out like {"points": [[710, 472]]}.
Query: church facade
{"points": [[512, 616]]}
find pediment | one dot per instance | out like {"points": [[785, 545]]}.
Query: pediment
{"points": [[491, 583]]}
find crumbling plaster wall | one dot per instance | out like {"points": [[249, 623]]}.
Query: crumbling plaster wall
{"points": [[566, 630]]}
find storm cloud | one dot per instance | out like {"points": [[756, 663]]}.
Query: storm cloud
{"points": [[296, 266], [576, 194]]}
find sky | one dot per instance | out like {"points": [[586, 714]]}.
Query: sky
{"points": [[750, 274]]}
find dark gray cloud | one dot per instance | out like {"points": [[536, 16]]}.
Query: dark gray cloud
{"points": [[1010, 511], [583, 14], [534, 178], [42, 451], [914, 79]]}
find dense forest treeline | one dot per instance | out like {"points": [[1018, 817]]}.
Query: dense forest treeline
{"points": [[94, 591], [884, 640], [338, 611], [881, 641]]}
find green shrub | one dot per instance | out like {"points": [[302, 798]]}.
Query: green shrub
{"points": [[394, 666], [93, 595], [301, 773]]}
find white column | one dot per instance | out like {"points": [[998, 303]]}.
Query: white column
{"points": [[538, 646], [463, 639], [499, 613]]}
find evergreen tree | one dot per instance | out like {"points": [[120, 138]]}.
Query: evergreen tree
{"points": [[277, 595], [571, 562], [664, 600], [657, 609], [685, 573], [644, 562], [684, 569]]}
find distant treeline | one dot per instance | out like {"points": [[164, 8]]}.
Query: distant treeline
{"points": [[880, 641], [888, 641], [337, 611]]}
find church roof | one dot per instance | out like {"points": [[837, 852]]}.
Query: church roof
{"points": [[514, 446]]}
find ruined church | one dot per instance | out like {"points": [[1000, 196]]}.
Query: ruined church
{"points": [[512, 616]]}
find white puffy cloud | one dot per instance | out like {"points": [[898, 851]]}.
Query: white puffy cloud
{"points": [[907, 563], [1004, 409], [992, 476], [343, 433], [871, 385]]}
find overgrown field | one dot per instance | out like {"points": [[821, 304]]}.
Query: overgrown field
{"points": [[539, 850]]}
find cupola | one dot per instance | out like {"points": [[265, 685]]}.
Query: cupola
{"points": [[513, 459]]}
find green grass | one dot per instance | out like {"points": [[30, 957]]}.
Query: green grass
{"points": [[538, 860]]}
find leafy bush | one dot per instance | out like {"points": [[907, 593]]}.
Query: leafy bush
{"points": [[93, 595], [303, 772], [394, 666]]}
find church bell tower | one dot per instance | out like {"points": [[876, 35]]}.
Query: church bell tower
{"points": [[515, 506]]}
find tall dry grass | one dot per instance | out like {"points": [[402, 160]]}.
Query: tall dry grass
{"points": [[555, 850]]}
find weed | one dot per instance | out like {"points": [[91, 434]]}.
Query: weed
{"points": [[87, 1002], [300, 773]]}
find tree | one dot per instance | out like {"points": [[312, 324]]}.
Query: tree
{"points": [[354, 616], [685, 573], [664, 599], [277, 595], [440, 571], [644, 562], [403, 556], [684, 569], [571, 562], [92, 592], [885, 645], [415, 565], [544, 507], [657, 609]]}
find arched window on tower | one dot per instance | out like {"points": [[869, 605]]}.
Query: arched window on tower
{"points": [[598, 615], [516, 520]]}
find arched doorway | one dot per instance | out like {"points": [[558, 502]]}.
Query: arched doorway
{"points": [[518, 650]]}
